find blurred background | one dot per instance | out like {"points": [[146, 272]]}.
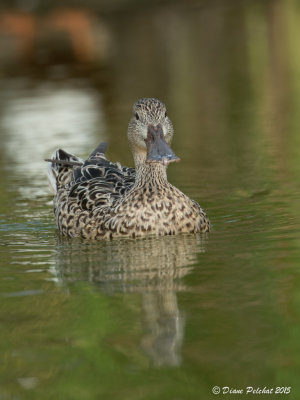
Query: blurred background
{"points": [[227, 70], [165, 318]]}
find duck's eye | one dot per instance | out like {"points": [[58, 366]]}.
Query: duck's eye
{"points": [[137, 116]]}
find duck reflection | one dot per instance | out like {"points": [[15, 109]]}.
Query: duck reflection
{"points": [[151, 266]]}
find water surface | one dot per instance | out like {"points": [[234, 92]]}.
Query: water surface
{"points": [[158, 318]]}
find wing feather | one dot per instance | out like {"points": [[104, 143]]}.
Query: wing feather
{"points": [[100, 182]]}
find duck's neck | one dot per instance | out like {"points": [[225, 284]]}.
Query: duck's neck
{"points": [[150, 174]]}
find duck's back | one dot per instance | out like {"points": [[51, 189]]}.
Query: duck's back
{"points": [[83, 188]]}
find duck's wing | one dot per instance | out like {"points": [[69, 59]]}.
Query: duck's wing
{"points": [[99, 182]]}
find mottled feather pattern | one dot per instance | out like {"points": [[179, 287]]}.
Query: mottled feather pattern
{"points": [[100, 182], [100, 199]]}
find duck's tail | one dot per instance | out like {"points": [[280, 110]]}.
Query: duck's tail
{"points": [[60, 168]]}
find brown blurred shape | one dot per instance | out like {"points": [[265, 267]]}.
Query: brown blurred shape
{"points": [[24, 37]]}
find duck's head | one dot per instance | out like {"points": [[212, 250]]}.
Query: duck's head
{"points": [[150, 132]]}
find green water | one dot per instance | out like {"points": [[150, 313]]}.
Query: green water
{"points": [[170, 317]]}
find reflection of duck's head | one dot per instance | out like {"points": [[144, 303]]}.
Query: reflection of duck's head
{"points": [[150, 133]]}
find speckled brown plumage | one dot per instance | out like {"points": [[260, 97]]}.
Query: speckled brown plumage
{"points": [[97, 199]]}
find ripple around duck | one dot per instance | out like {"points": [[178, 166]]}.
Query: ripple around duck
{"points": [[23, 293]]}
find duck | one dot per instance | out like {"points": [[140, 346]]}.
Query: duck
{"points": [[99, 199]]}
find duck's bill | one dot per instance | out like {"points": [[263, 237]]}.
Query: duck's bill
{"points": [[158, 151]]}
